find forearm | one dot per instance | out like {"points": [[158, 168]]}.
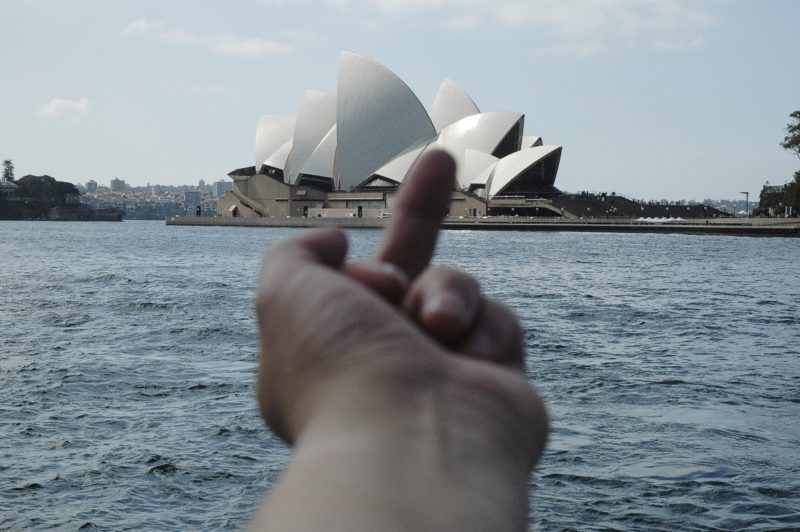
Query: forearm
{"points": [[437, 459]]}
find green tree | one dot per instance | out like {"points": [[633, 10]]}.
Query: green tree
{"points": [[45, 191], [8, 170], [792, 141], [792, 195]]}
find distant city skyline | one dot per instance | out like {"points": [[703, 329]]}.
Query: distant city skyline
{"points": [[110, 185], [672, 99]]}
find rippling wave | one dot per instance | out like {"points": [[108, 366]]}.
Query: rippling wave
{"points": [[669, 364]]}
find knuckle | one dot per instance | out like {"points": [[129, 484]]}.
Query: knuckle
{"points": [[452, 278]]}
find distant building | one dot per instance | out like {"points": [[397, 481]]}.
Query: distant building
{"points": [[91, 186], [117, 185], [221, 187], [8, 189], [191, 198], [772, 201], [202, 183]]}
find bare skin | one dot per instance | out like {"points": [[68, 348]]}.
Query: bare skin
{"points": [[398, 383]]}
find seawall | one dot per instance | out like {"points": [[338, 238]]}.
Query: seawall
{"points": [[716, 226]]}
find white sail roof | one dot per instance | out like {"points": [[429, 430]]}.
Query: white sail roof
{"points": [[398, 168], [482, 132], [273, 132], [377, 118], [452, 103], [320, 163], [476, 163], [529, 141], [512, 166], [482, 179], [277, 159], [375, 129], [316, 117]]}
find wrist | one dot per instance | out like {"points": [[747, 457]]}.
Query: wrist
{"points": [[446, 408]]}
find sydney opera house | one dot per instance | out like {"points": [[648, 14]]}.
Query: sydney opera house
{"points": [[346, 154]]}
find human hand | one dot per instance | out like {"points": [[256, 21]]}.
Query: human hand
{"points": [[375, 348]]}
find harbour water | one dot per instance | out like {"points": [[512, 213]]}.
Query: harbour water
{"points": [[670, 365]]}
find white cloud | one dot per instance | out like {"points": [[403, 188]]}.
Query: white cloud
{"points": [[142, 25], [224, 43], [562, 21], [568, 16], [60, 107]]}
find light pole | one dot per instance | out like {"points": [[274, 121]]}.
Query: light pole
{"points": [[746, 202]]}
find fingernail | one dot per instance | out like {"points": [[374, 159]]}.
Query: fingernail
{"points": [[449, 303]]}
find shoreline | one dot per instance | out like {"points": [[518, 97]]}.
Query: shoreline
{"points": [[780, 227]]}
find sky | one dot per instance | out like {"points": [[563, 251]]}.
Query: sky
{"points": [[653, 99]]}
